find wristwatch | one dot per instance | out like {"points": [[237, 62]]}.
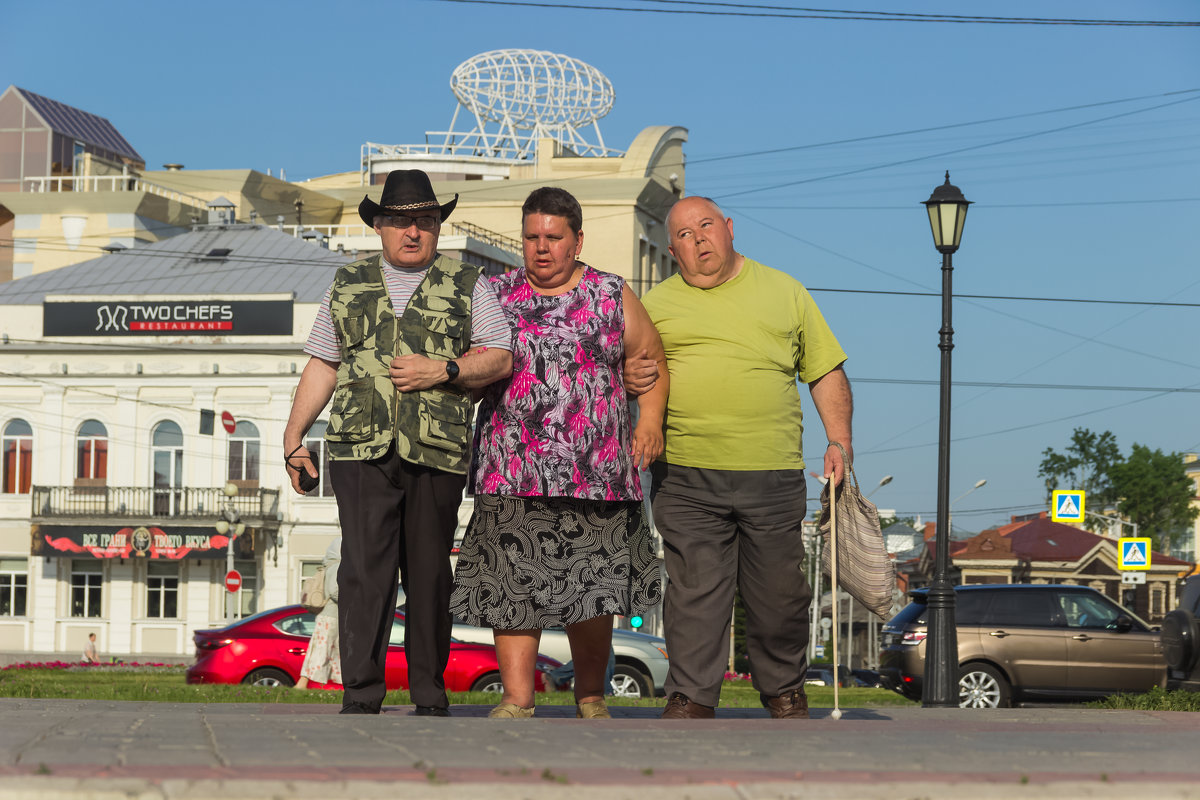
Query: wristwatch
{"points": [[451, 372]]}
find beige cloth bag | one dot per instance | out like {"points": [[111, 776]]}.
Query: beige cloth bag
{"points": [[864, 568]]}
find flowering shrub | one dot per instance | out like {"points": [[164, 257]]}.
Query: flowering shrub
{"points": [[737, 676], [133, 666]]}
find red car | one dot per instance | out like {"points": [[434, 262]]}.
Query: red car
{"points": [[267, 649]]}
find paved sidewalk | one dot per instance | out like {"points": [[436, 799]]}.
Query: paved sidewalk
{"points": [[73, 749]]}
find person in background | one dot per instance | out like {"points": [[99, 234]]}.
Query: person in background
{"points": [[90, 656], [323, 661]]}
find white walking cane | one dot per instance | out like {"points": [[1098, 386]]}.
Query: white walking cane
{"points": [[833, 580]]}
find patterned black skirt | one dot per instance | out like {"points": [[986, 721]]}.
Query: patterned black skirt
{"points": [[546, 562]]}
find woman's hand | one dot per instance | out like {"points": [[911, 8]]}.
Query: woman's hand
{"points": [[647, 444]]}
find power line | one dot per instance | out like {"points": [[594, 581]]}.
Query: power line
{"points": [[935, 128], [857, 16], [1054, 386], [1011, 297], [955, 151]]}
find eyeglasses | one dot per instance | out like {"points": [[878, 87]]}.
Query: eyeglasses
{"points": [[403, 221]]}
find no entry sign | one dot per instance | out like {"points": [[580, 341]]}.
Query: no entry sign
{"points": [[227, 422], [233, 580]]}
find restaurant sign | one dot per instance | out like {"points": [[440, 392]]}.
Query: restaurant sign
{"points": [[166, 317], [100, 541]]}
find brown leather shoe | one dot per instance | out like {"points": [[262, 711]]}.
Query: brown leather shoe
{"points": [[680, 707], [789, 705]]}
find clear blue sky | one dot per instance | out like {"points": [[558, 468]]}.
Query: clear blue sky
{"points": [[1103, 210]]}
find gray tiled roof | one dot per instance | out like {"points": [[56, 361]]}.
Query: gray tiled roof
{"points": [[261, 260], [69, 120]]}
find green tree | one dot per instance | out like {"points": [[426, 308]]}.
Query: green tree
{"points": [[1153, 490], [1084, 465]]}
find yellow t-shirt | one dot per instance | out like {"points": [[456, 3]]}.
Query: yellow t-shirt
{"points": [[734, 353]]}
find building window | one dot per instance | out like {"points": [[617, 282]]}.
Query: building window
{"points": [[244, 447], [87, 580], [162, 590], [91, 452], [315, 443], [307, 570], [246, 599], [18, 456], [14, 586], [1158, 601], [167, 456]]}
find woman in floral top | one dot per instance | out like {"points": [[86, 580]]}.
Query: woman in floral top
{"points": [[559, 535]]}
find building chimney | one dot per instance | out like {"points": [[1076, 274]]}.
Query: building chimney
{"points": [[172, 167]]}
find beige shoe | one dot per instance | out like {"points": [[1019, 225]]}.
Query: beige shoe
{"points": [[510, 711], [596, 710]]}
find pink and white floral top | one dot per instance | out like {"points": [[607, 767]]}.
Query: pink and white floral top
{"points": [[560, 426]]}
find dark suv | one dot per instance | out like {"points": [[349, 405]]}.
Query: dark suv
{"points": [[1018, 641], [1181, 639]]}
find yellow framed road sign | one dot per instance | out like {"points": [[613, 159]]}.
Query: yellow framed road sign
{"points": [[1133, 552], [1066, 505]]}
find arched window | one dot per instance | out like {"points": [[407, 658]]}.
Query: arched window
{"points": [[244, 446], [18, 456], [91, 453], [166, 442], [315, 442]]}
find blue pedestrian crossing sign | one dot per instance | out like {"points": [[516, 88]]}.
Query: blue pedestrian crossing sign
{"points": [[1066, 505], [1133, 552]]}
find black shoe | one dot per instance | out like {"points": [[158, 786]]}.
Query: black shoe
{"points": [[432, 711], [358, 708]]}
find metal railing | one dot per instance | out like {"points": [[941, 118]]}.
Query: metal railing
{"points": [[108, 183], [489, 237], [499, 240], [258, 507]]}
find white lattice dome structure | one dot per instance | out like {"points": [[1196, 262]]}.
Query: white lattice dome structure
{"points": [[532, 89]]}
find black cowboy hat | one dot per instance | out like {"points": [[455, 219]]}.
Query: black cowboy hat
{"points": [[404, 190]]}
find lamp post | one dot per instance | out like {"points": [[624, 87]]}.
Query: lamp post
{"points": [[947, 212], [230, 523]]}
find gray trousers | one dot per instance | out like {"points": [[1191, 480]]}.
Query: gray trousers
{"points": [[724, 530]]}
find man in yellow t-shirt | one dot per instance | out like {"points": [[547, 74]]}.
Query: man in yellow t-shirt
{"points": [[728, 492]]}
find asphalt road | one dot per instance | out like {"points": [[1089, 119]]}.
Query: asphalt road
{"points": [[101, 749]]}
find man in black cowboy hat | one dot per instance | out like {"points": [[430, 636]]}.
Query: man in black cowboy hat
{"points": [[398, 344]]}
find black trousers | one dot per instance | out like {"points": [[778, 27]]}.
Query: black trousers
{"points": [[725, 531], [396, 517]]}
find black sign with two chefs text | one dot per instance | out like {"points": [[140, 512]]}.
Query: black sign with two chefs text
{"points": [[167, 318]]}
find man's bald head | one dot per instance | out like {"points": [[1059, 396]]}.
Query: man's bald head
{"points": [[702, 242]]}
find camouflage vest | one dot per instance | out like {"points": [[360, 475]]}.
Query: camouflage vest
{"points": [[431, 427]]}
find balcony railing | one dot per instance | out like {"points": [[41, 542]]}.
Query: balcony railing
{"points": [[108, 183], [257, 507]]}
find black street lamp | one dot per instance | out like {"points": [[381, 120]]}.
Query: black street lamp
{"points": [[947, 212]]}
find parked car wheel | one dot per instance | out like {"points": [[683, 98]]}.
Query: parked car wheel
{"points": [[489, 683], [628, 681], [982, 686], [269, 676]]}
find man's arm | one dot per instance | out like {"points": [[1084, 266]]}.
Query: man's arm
{"points": [[476, 369], [317, 383], [831, 395], [642, 337]]}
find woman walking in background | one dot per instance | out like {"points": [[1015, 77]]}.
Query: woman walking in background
{"points": [[323, 661]]}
